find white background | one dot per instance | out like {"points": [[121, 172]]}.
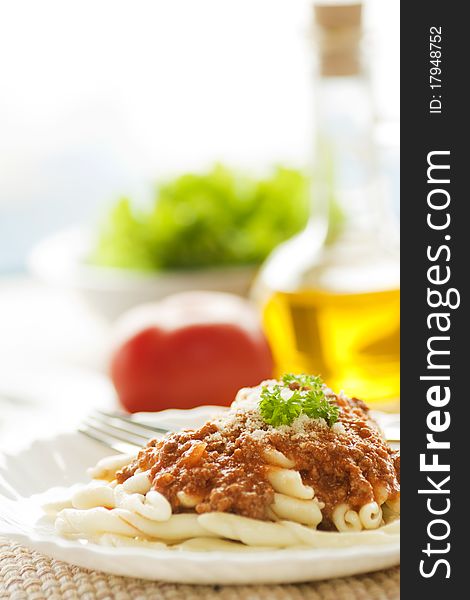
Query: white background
{"points": [[100, 97]]}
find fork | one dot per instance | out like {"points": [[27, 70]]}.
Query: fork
{"points": [[119, 431]]}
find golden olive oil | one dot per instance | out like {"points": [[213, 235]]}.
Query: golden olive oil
{"points": [[352, 340]]}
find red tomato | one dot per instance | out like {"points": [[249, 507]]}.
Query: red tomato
{"points": [[189, 349]]}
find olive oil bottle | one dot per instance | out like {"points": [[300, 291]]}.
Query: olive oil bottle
{"points": [[330, 296]]}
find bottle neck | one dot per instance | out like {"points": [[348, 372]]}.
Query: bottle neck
{"points": [[345, 164]]}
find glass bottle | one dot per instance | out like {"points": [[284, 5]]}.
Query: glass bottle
{"points": [[330, 295]]}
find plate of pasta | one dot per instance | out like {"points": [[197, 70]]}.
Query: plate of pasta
{"points": [[291, 483]]}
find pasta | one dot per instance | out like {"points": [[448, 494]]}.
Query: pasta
{"points": [[241, 483]]}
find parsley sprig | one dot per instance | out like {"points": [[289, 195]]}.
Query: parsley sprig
{"points": [[313, 382], [309, 399]]}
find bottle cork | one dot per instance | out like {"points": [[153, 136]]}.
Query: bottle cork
{"points": [[338, 33]]}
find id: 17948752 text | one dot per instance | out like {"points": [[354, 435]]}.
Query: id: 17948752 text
{"points": [[435, 69]]}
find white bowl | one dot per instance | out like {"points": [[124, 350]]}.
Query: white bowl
{"points": [[62, 260]]}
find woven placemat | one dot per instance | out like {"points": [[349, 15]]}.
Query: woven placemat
{"points": [[26, 574]]}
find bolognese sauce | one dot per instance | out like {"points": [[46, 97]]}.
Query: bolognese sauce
{"points": [[222, 466]]}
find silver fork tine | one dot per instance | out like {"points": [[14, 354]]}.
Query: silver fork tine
{"points": [[109, 442], [114, 432], [119, 432], [131, 424], [119, 429]]}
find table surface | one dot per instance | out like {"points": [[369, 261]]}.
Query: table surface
{"points": [[51, 357], [26, 574]]}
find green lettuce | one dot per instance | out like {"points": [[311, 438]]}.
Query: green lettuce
{"points": [[218, 218]]}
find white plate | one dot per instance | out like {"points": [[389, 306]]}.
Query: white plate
{"points": [[61, 461]]}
